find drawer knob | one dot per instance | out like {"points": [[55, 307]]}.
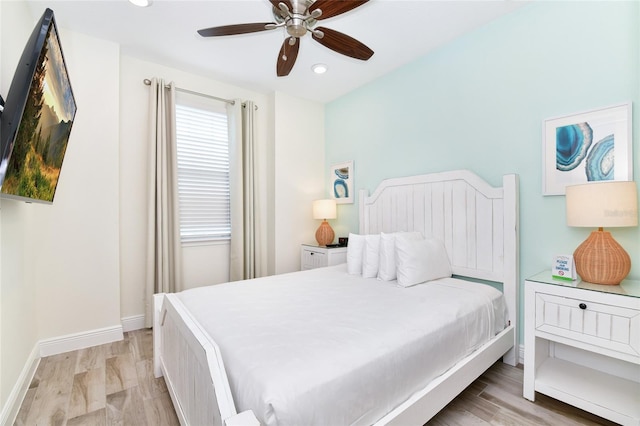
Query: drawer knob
{"points": [[582, 306]]}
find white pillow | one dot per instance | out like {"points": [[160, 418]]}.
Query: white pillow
{"points": [[420, 261], [355, 248], [387, 264], [371, 255]]}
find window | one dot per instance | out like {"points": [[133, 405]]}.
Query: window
{"points": [[203, 169]]}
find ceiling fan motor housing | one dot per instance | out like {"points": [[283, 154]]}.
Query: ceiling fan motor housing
{"points": [[296, 22], [296, 27]]}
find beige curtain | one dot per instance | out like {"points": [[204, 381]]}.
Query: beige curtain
{"points": [[164, 251], [247, 251]]}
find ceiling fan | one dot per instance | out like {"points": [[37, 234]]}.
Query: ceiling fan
{"points": [[299, 17]]}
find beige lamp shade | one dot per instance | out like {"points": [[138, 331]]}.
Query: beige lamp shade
{"points": [[600, 259], [602, 204], [324, 209]]}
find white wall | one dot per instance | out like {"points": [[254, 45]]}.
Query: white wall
{"points": [[299, 176], [77, 266], [60, 272]]}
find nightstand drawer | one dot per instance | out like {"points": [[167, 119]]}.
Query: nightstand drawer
{"points": [[613, 328], [312, 259]]}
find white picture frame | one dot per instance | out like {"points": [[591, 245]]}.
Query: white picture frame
{"points": [[341, 187], [588, 146]]}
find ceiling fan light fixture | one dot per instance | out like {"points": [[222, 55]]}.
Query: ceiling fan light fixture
{"points": [[141, 3], [319, 68]]}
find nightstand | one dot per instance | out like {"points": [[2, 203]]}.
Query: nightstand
{"points": [[312, 257], [582, 345]]}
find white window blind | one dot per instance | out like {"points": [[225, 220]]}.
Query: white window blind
{"points": [[203, 172]]}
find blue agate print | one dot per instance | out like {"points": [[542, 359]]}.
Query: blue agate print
{"points": [[572, 143], [600, 160], [342, 173], [340, 189]]}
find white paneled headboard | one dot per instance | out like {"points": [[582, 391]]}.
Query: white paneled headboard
{"points": [[477, 222]]}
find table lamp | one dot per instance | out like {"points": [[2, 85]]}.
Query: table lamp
{"points": [[600, 259], [324, 209]]}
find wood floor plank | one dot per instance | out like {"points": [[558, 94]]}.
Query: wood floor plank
{"points": [[523, 408], [569, 411], [142, 345], [51, 400], [94, 418], [58, 367], [48, 408], [509, 418], [90, 358], [120, 347], [150, 386], [126, 408], [476, 405], [120, 373], [88, 392], [159, 411], [21, 418], [456, 415], [27, 403], [493, 378]]}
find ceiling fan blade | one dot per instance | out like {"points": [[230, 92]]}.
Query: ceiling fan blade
{"points": [[287, 56], [331, 8], [226, 30], [342, 43], [276, 4]]}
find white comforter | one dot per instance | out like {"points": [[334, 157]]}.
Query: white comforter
{"points": [[327, 348]]}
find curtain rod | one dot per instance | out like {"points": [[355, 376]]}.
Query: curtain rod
{"points": [[229, 101]]}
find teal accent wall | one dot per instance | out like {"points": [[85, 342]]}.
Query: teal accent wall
{"points": [[478, 103]]}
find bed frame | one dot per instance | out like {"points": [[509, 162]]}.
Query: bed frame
{"points": [[477, 222]]}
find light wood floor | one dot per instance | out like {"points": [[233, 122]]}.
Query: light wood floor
{"points": [[113, 384], [495, 398]]}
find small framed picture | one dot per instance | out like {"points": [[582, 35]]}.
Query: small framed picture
{"points": [[341, 182], [588, 146]]}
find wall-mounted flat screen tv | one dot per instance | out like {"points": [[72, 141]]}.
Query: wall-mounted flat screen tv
{"points": [[37, 118]]}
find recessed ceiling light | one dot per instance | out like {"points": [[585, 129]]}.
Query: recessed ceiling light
{"points": [[141, 3], [319, 68]]}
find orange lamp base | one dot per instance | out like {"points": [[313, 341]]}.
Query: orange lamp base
{"points": [[325, 234], [601, 260]]}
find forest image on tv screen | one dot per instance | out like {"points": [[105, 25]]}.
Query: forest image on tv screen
{"points": [[41, 140]]}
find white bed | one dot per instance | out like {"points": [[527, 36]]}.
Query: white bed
{"points": [[326, 347]]}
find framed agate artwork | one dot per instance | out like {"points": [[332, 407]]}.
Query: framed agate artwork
{"points": [[341, 182], [589, 146]]}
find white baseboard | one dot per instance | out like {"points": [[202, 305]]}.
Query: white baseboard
{"points": [[12, 406], [132, 323], [73, 342]]}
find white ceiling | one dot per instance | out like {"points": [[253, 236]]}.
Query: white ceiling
{"points": [[398, 31]]}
